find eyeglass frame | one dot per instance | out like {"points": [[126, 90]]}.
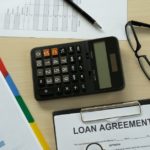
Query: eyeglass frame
{"points": [[138, 47]]}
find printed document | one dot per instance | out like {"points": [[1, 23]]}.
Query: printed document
{"points": [[15, 131], [125, 133], [56, 19]]}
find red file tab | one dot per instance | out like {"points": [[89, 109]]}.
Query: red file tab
{"points": [[2, 68]]}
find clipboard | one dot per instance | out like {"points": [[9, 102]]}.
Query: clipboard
{"points": [[110, 127]]}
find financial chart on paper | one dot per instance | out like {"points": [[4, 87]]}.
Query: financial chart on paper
{"points": [[57, 19], [39, 15]]}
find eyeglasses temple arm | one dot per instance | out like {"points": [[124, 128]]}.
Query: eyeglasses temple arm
{"points": [[140, 24]]}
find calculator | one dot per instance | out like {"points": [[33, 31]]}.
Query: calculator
{"points": [[78, 68]]}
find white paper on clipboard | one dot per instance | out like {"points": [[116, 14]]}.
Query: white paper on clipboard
{"points": [[83, 129]]}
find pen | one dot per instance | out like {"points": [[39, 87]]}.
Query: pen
{"points": [[83, 13]]}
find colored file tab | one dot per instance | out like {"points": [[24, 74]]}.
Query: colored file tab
{"points": [[25, 109], [12, 85], [3, 69]]}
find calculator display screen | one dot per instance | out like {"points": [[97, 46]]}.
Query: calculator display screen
{"points": [[102, 65]]}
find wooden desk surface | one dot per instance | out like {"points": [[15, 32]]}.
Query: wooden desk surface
{"points": [[15, 53]]}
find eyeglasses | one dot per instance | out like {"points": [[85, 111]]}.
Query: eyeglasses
{"points": [[136, 46]]}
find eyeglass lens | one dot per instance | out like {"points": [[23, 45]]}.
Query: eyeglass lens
{"points": [[131, 37], [145, 66]]}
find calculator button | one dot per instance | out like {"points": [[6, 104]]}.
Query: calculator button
{"points": [[49, 81], [67, 89], [39, 63], [57, 79], [55, 61], [56, 70], [46, 92], [72, 59], [73, 68], [78, 48], [38, 54], [62, 51], [66, 78], [79, 58], [80, 68], [47, 62], [46, 52], [64, 69], [48, 71], [59, 90], [83, 87], [40, 72], [63, 60], [75, 88], [41, 82], [74, 77], [54, 51], [82, 77], [70, 49]]}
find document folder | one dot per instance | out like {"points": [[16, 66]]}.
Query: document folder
{"points": [[110, 127], [23, 106]]}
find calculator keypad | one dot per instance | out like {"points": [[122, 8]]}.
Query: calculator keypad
{"points": [[59, 71]]}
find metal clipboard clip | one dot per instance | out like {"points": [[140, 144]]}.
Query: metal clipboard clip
{"points": [[107, 112]]}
